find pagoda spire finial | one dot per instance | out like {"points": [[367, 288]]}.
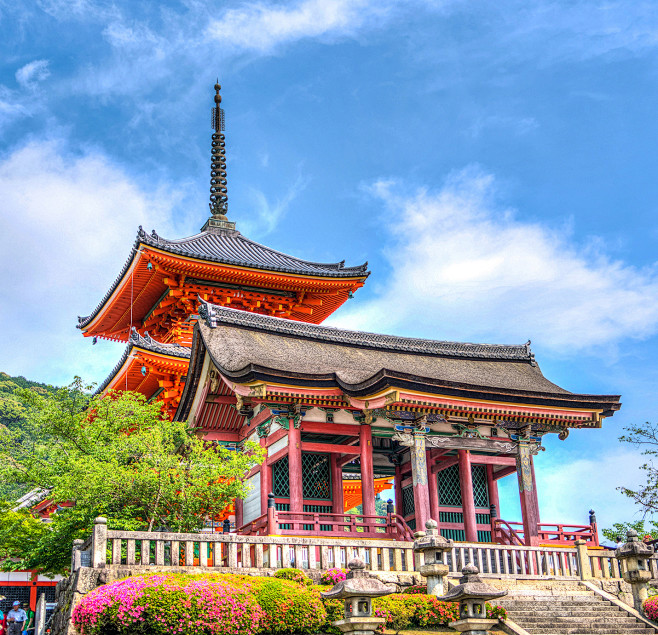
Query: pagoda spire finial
{"points": [[218, 189]]}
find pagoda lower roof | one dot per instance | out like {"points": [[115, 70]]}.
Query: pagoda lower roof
{"points": [[248, 348], [230, 248], [149, 345]]}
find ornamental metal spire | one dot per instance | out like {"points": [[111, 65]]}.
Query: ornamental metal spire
{"points": [[218, 189]]}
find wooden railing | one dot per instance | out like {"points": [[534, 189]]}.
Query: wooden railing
{"points": [[508, 532], [284, 523], [230, 552]]}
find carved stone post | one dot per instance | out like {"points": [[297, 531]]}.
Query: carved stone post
{"points": [[634, 557], [472, 594], [76, 559], [433, 546], [99, 543], [528, 494]]}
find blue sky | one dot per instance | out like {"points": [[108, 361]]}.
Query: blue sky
{"points": [[492, 161]]}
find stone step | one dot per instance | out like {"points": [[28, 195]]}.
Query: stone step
{"points": [[537, 621], [555, 603], [608, 611], [587, 630]]}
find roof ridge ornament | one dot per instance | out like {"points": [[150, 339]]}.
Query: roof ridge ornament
{"points": [[218, 182]]}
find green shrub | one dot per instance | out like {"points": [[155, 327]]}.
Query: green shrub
{"points": [[416, 610], [289, 607], [294, 575]]}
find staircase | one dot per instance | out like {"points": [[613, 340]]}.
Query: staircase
{"points": [[567, 608]]}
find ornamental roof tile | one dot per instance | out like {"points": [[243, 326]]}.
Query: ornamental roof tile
{"points": [[148, 343], [230, 247]]}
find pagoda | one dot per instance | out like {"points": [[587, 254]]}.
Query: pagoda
{"points": [[153, 303]]}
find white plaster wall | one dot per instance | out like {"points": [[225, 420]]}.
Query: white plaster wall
{"points": [[251, 505], [277, 445]]}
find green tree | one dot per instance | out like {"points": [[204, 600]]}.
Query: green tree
{"points": [[618, 530], [645, 437], [117, 457]]}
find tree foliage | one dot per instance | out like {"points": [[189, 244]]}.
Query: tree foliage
{"points": [[118, 457], [645, 437], [618, 530]]}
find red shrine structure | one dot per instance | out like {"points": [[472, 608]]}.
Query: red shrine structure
{"points": [[226, 333]]}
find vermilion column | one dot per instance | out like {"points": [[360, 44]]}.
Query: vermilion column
{"points": [[337, 502], [239, 513], [295, 468], [265, 482], [399, 507], [492, 486], [367, 471], [468, 502], [528, 495], [433, 489]]}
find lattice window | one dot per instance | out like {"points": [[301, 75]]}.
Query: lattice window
{"points": [[458, 535], [408, 505], [480, 490], [451, 517], [484, 536], [12, 593], [483, 519], [316, 477], [450, 493], [280, 483]]}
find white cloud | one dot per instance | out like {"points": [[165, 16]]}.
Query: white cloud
{"points": [[66, 226], [33, 72], [265, 216], [261, 27], [465, 268]]}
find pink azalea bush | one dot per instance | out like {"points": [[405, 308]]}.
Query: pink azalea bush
{"points": [[209, 604], [650, 607], [333, 576]]}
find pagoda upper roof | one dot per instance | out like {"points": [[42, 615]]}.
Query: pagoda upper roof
{"points": [[247, 348], [229, 247], [147, 343]]}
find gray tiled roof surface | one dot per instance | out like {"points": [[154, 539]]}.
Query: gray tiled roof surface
{"points": [[146, 342], [231, 248], [215, 315]]}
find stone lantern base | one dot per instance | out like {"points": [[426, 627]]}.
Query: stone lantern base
{"points": [[359, 625], [473, 625]]}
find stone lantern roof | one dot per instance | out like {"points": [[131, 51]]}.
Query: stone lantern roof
{"points": [[471, 587], [358, 584], [633, 547]]}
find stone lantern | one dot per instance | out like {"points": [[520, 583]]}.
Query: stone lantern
{"points": [[434, 548], [357, 590], [472, 594], [634, 558]]}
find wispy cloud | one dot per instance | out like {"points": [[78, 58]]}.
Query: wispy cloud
{"points": [[32, 73], [268, 213], [67, 223], [261, 27], [479, 271]]}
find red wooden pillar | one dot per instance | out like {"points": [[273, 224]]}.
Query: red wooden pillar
{"points": [[337, 501], [265, 479], [468, 502], [433, 488], [492, 486], [239, 513], [399, 507], [528, 495], [367, 471], [295, 467], [419, 476]]}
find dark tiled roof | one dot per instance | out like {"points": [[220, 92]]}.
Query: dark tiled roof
{"points": [[148, 343], [215, 315], [230, 247]]}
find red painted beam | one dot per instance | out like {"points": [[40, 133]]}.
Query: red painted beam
{"points": [[319, 427], [275, 436], [444, 465], [504, 472], [227, 399], [486, 459], [233, 437], [277, 455], [332, 448]]}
